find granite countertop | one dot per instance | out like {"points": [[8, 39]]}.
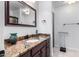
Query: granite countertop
{"points": [[19, 47]]}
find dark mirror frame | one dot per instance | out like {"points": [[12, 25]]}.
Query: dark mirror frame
{"points": [[7, 15]]}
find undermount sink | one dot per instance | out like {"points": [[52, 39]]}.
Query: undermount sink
{"points": [[34, 40], [30, 41], [27, 43]]}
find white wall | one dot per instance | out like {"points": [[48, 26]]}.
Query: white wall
{"points": [[1, 26], [19, 30], [45, 13], [68, 14]]}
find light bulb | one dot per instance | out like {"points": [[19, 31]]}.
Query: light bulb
{"points": [[70, 1], [26, 11]]}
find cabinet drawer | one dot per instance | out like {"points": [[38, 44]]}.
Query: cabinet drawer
{"points": [[38, 47]]}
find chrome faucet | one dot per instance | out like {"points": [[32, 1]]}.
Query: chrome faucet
{"points": [[26, 44]]}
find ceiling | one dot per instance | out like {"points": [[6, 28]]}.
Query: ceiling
{"points": [[58, 3]]}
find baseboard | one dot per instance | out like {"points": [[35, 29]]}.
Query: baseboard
{"points": [[72, 49], [69, 49]]}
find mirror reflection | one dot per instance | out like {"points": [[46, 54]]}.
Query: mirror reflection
{"points": [[21, 13]]}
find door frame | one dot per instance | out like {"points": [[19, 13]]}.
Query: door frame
{"points": [[53, 23]]}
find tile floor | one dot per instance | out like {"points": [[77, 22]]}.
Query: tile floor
{"points": [[69, 53]]}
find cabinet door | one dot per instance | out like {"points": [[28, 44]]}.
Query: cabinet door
{"points": [[48, 52], [26, 54], [38, 54], [43, 50], [48, 48]]}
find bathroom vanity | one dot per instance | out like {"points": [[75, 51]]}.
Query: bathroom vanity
{"points": [[38, 48]]}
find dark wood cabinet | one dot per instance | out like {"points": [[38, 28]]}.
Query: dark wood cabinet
{"points": [[41, 50], [48, 48], [38, 54]]}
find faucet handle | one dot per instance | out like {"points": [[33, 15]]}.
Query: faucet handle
{"points": [[26, 37]]}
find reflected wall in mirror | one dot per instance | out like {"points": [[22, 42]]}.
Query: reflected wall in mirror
{"points": [[19, 13]]}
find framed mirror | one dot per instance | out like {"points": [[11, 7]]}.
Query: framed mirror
{"points": [[19, 13]]}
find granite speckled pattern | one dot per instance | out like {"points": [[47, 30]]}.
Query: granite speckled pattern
{"points": [[19, 48]]}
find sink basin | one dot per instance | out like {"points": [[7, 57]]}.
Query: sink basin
{"points": [[30, 41]]}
